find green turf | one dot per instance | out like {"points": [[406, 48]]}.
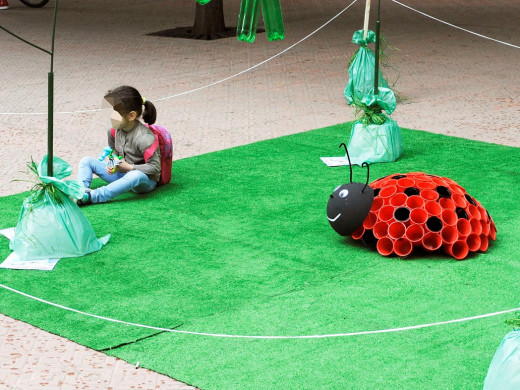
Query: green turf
{"points": [[240, 244]]}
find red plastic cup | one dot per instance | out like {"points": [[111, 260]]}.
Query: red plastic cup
{"points": [[473, 242], [484, 243], [459, 250], [421, 177], [456, 189], [449, 217], [388, 182], [396, 230], [485, 227], [386, 213], [440, 181], [398, 199], [433, 208], [415, 202], [493, 231], [405, 182], [449, 181], [403, 247], [463, 227], [385, 246], [370, 220], [380, 230], [429, 195], [473, 211], [447, 203], [377, 204], [358, 233], [483, 214], [418, 216], [449, 234], [476, 227], [459, 200], [387, 191], [425, 185], [431, 241], [415, 234]]}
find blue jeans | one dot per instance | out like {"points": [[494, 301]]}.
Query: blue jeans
{"points": [[119, 183]]}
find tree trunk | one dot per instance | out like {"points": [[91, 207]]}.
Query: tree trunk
{"points": [[209, 24], [209, 21]]}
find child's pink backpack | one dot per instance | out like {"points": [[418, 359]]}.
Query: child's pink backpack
{"points": [[163, 141]]}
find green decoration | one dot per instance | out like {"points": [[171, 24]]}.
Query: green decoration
{"points": [[361, 74], [50, 224], [503, 372], [203, 2], [374, 137], [248, 20], [273, 20], [373, 143]]}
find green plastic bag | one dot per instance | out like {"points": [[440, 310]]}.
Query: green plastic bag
{"points": [[360, 84], [504, 370], [51, 225], [375, 143]]}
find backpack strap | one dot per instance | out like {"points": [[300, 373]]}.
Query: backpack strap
{"points": [[153, 147]]}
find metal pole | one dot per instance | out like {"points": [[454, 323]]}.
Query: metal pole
{"points": [[50, 103], [376, 67], [50, 107]]}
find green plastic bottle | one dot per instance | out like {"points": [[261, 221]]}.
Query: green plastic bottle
{"points": [[273, 19], [248, 20]]}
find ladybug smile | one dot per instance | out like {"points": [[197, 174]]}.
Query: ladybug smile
{"points": [[335, 219]]}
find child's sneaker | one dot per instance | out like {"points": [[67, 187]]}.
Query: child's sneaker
{"points": [[4, 4], [86, 200]]}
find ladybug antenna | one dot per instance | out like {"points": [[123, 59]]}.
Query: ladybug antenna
{"points": [[349, 163], [368, 174]]}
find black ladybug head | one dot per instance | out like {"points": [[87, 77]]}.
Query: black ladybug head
{"points": [[349, 204]]}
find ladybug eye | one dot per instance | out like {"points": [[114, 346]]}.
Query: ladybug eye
{"points": [[343, 193]]}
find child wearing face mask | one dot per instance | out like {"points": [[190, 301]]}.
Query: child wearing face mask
{"points": [[139, 169]]}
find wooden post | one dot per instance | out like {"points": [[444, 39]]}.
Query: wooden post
{"points": [[367, 17]]}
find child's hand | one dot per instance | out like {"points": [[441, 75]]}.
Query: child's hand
{"points": [[110, 170], [124, 167]]}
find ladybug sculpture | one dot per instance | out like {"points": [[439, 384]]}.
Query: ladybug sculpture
{"points": [[411, 210]]}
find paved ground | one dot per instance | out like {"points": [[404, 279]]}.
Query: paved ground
{"points": [[451, 82]]}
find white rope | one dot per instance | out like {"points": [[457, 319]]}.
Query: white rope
{"points": [[205, 86], [258, 336], [457, 27]]}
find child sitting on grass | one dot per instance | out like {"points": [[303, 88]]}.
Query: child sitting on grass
{"points": [[137, 171]]}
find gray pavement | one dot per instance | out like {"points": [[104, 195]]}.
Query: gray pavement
{"points": [[451, 82]]}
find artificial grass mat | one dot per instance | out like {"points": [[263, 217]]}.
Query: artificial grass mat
{"points": [[239, 244]]}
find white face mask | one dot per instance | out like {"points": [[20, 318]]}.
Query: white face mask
{"points": [[107, 109], [116, 119]]}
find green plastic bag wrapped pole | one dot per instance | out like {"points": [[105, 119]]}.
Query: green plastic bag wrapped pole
{"points": [[51, 225], [248, 20], [273, 19], [361, 71]]}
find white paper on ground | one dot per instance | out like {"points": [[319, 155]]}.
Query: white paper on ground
{"points": [[13, 261], [335, 161]]}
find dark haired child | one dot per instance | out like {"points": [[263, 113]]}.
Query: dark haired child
{"points": [[130, 141]]}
